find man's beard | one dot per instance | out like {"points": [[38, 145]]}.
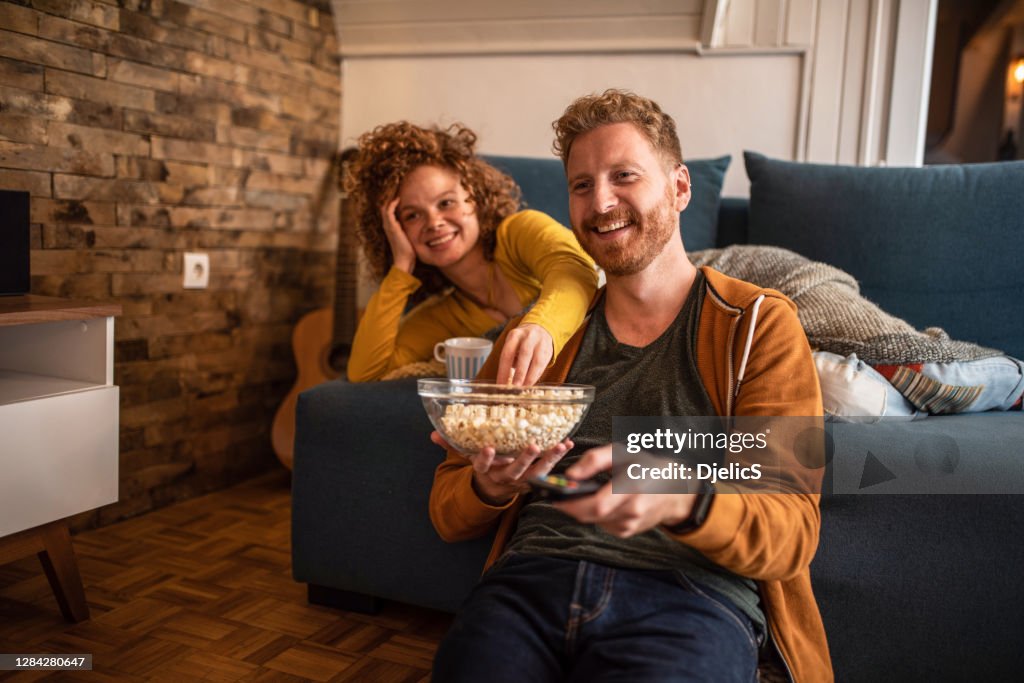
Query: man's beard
{"points": [[651, 232]]}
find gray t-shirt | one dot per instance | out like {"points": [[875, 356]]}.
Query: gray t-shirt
{"points": [[658, 379]]}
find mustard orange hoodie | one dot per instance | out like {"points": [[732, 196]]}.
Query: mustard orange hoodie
{"points": [[745, 333]]}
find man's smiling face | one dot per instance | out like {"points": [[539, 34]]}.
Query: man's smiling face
{"points": [[623, 205]]}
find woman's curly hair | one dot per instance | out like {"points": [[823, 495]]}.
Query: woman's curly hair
{"points": [[388, 153]]}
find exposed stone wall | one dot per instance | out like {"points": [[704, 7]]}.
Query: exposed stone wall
{"points": [[147, 128]]}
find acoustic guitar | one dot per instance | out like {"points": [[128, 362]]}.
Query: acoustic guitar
{"points": [[322, 339]]}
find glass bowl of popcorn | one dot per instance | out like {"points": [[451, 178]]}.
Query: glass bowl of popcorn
{"points": [[473, 414]]}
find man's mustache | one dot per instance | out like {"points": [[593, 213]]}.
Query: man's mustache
{"points": [[614, 216]]}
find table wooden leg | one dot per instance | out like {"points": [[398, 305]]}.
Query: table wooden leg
{"points": [[61, 567], [52, 544]]}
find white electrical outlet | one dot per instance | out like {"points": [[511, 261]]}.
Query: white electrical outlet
{"points": [[197, 270]]}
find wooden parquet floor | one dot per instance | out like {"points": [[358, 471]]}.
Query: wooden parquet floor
{"points": [[202, 591]]}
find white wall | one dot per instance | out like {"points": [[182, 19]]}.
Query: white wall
{"points": [[511, 100], [831, 81]]}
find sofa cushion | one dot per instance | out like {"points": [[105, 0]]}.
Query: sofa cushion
{"points": [[544, 188], [364, 466], [917, 587], [913, 237]]}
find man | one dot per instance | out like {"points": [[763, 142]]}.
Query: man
{"points": [[644, 586]]}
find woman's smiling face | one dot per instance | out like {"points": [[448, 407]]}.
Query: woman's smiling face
{"points": [[437, 214]]}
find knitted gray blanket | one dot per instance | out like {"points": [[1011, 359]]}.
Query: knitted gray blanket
{"points": [[833, 313]]}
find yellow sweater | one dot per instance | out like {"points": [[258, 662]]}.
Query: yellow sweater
{"points": [[539, 257]]}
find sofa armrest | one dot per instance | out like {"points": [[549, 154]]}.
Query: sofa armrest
{"points": [[363, 469]]}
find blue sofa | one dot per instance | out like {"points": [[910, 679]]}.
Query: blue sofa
{"points": [[916, 580]]}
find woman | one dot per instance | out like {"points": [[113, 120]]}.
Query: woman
{"points": [[440, 224]]}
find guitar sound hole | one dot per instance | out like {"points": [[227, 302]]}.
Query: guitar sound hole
{"points": [[337, 357]]}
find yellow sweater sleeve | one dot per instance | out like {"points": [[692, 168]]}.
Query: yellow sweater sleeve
{"points": [[386, 340], [541, 256], [373, 348]]}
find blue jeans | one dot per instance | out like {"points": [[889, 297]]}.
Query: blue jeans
{"points": [[540, 618]]}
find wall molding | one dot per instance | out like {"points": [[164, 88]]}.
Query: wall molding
{"points": [[911, 79], [405, 28]]}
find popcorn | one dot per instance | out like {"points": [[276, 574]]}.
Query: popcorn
{"points": [[508, 427]]}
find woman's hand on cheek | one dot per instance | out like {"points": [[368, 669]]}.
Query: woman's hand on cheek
{"points": [[402, 251], [528, 351]]}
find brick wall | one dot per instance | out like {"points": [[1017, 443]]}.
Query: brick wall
{"points": [[147, 128]]}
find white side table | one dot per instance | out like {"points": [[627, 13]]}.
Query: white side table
{"points": [[58, 431]]}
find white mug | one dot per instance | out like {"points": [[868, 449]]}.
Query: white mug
{"points": [[464, 356]]}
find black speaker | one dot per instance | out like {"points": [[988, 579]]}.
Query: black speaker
{"points": [[14, 239]]}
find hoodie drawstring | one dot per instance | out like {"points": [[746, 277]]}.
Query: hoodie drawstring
{"points": [[749, 342]]}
